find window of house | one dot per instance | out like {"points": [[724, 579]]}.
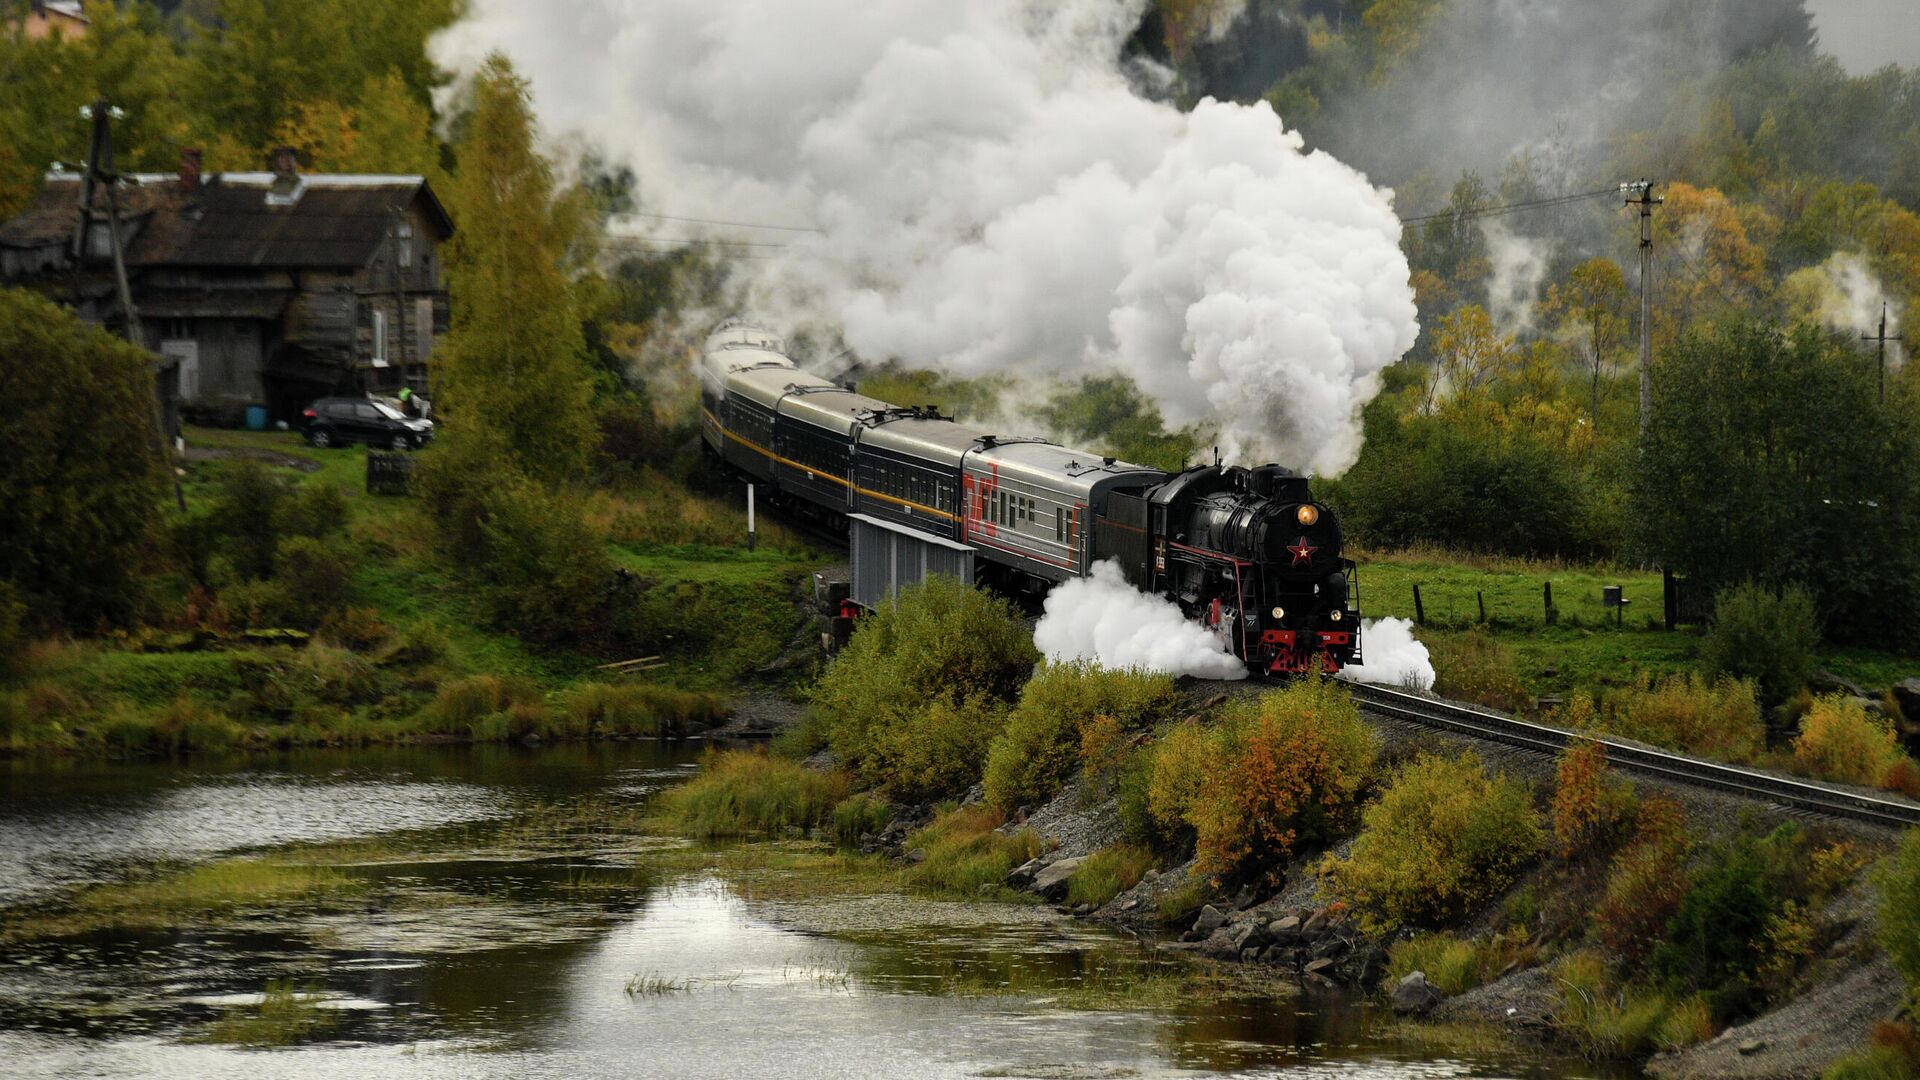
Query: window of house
{"points": [[406, 245], [380, 337], [176, 329]]}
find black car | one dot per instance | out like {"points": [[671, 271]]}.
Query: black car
{"points": [[337, 421]]}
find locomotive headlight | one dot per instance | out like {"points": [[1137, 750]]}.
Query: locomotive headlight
{"points": [[1308, 513], [1336, 615], [1279, 613]]}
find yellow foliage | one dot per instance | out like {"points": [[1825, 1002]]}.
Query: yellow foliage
{"points": [[1840, 740]]}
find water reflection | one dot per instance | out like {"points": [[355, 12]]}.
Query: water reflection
{"points": [[590, 963]]}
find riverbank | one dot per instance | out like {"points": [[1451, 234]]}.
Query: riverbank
{"points": [[499, 912], [1590, 940]]}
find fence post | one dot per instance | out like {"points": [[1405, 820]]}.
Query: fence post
{"points": [[1482, 597], [1419, 611], [1671, 602], [1546, 589]]}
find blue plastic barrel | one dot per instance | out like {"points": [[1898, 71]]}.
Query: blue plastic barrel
{"points": [[256, 418]]}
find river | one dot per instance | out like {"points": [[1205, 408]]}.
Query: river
{"points": [[491, 931]]}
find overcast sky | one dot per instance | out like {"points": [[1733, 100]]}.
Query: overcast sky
{"points": [[1866, 35]]}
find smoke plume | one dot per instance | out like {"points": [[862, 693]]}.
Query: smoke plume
{"points": [[1393, 657], [1103, 619], [990, 194]]}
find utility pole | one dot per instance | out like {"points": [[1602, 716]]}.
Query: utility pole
{"points": [[100, 171], [1640, 193], [1882, 338]]}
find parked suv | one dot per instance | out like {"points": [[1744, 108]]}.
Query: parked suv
{"points": [[336, 421]]}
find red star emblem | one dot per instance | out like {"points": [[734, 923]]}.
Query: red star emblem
{"points": [[1302, 552]]}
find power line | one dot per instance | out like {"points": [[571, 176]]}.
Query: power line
{"points": [[691, 241], [727, 224], [1509, 208]]}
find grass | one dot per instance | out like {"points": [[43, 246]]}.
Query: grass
{"points": [[283, 1017], [1185, 899], [110, 696], [200, 894], [1605, 1020], [747, 793], [1453, 966], [965, 855], [1107, 873]]}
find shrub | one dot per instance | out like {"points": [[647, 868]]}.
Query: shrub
{"points": [[1686, 713], [859, 816], [1762, 635], [244, 517], [936, 749], [1840, 740], [1285, 770], [315, 509], [1588, 804], [601, 709], [331, 674], [1645, 882], [1132, 787], [1454, 966], [1609, 1021], [1898, 879], [1179, 765], [941, 641], [1107, 873], [743, 792], [257, 605], [965, 853], [1031, 759], [318, 580], [1717, 932], [1442, 837], [1475, 667], [188, 725]]}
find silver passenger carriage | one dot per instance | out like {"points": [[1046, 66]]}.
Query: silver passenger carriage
{"points": [[1030, 504]]}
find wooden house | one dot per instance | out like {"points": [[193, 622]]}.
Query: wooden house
{"points": [[264, 289]]}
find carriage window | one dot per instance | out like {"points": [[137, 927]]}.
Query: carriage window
{"points": [[1060, 524]]}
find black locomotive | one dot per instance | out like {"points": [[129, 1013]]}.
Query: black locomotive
{"points": [[1247, 552]]}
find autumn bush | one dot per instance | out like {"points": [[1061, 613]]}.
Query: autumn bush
{"points": [[1444, 836], [1719, 719], [918, 694], [1475, 667], [1588, 803], [1645, 882], [1840, 740], [1033, 756], [1265, 776]]}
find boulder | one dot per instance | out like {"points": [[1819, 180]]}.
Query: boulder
{"points": [[1220, 946], [1823, 681], [1412, 994], [1316, 922], [1022, 876], [1284, 929], [1051, 881], [1210, 919], [1251, 934], [1318, 967], [1328, 946], [1906, 694]]}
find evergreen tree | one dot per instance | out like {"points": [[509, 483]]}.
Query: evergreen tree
{"points": [[513, 370]]}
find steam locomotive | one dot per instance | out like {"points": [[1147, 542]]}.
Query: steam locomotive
{"points": [[1246, 552]]}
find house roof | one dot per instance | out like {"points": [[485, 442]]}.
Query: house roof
{"points": [[237, 219]]}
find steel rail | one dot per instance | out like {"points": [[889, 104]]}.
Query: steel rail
{"points": [[1542, 738]]}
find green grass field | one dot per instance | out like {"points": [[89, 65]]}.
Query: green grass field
{"points": [[1585, 648]]}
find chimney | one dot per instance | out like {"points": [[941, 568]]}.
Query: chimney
{"points": [[286, 165], [190, 170]]}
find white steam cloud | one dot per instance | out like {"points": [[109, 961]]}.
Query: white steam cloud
{"points": [[991, 195], [1393, 657], [1103, 619], [1519, 266]]}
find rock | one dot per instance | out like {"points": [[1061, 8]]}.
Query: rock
{"points": [[1245, 898], [1751, 1046], [1051, 881], [1317, 967], [1412, 994], [1249, 956], [1084, 909], [1220, 946], [1906, 694], [1211, 918], [915, 857], [1873, 706], [1316, 922], [1328, 946], [1248, 935], [1823, 681], [1284, 929], [1022, 876]]}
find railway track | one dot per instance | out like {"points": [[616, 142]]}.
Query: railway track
{"points": [[1781, 792]]}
